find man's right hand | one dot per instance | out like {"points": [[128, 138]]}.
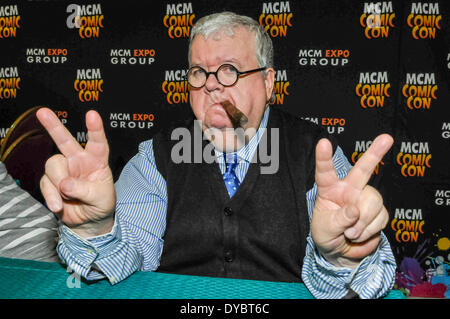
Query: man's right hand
{"points": [[78, 184]]}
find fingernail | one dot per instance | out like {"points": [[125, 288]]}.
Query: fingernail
{"points": [[351, 232], [54, 206], [67, 186]]}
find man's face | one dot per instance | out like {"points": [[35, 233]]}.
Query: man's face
{"points": [[249, 94]]}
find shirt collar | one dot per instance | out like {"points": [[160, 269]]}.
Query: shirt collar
{"points": [[246, 153]]}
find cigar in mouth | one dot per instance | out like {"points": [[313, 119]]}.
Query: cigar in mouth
{"points": [[237, 118]]}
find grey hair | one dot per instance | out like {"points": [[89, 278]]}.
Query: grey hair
{"points": [[226, 22]]}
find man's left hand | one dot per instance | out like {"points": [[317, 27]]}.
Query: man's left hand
{"points": [[348, 214]]}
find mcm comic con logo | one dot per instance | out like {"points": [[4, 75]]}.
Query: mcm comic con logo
{"points": [[373, 89], [179, 19], [377, 19], [276, 18], [175, 87], [88, 85], [88, 19], [9, 82], [407, 224], [414, 159], [9, 21], [280, 87], [424, 20], [419, 90]]}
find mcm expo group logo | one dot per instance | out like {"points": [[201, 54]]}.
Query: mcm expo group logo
{"points": [[333, 125], [132, 56], [445, 130], [129, 121], [442, 197], [46, 55], [324, 57]]}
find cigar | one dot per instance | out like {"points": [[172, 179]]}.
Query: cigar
{"points": [[237, 118]]}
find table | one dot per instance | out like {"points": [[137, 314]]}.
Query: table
{"points": [[26, 279]]}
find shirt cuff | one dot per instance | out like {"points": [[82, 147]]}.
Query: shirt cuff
{"points": [[375, 275], [81, 254], [372, 278]]}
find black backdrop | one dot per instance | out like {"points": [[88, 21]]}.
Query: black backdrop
{"points": [[359, 68]]}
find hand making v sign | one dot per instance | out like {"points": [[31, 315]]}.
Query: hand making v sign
{"points": [[78, 185], [348, 214]]}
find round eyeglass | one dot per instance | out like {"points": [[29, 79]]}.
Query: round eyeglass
{"points": [[226, 74]]}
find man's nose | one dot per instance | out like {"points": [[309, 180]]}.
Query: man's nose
{"points": [[212, 83]]}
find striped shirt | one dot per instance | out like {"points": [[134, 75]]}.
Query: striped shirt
{"points": [[136, 240], [28, 230]]}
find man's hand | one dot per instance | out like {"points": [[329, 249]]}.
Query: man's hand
{"points": [[349, 214], [78, 185]]}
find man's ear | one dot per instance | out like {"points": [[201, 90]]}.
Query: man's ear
{"points": [[269, 81]]}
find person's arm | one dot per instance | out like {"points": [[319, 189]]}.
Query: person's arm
{"points": [[135, 242], [27, 228], [372, 278]]}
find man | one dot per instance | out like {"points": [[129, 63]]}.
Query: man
{"points": [[227, 218]]}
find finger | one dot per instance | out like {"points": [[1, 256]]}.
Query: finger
{"points": [[370, 205], [76, 189], [97, 194], [325, 171], [58, 132], [343, 219], [357, 251], [375, 227], [56, 169], [360, 174], [97, 143], [51, 195]]}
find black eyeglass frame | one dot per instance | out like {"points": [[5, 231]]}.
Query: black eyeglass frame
{"points": [[239, 73]]}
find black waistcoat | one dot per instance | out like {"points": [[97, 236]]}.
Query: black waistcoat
{"points": [[260, 233]]}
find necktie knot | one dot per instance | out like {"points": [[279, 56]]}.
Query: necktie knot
{"points": [[230, 163], [229, 177]]}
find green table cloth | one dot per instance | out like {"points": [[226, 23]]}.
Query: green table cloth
{"points": [[25, 279]]}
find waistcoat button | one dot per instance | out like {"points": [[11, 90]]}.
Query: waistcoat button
{"points": [[228, 256], [228, 211]]}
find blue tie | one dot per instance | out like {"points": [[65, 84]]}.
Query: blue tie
{"points": [[229, 177]]}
